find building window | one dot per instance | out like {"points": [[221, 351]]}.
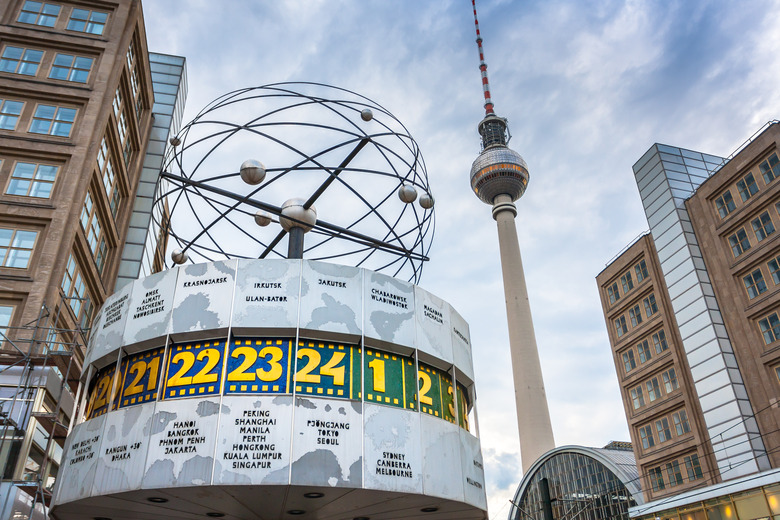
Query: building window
{"points": [[739, 242], [725, 204], [51, 478], [106, 167], [67, 67], [117, 103], [620, 326], [641, 271], [9, 113], [32, 180], [646, 434], [653, 390], [75, 291], [754, 283], [770, 169], [670, 380], [130, 55], [139, 107], [637, 398], [650, 306], [124, 140], [774, 268], [16, 247], [39, 13], [614, 294], [747, 187], [680, 420], [664, 433], [770, 328], [627, 282], [32, 466], [659, 340], [673, 473], [636, 316], [644, 351], [20, 61], [86, 21], [656, 479], [762, 226], [121, 127], [94, 232], [693, 467], [51, 120], [134, 85], [628, 361], [6, 311]]}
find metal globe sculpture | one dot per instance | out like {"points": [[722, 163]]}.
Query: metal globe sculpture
{"points": [[324, 144]]}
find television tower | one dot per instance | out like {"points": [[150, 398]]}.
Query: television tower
{"points": [[499, 177]]}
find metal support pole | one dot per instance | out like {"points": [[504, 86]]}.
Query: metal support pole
{"points": [[295, 242], [544, 491]]}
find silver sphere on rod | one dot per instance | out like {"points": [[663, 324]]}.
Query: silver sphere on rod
{"points": [[179, 256], [262, 218], [407, 193], [252, 172], [295, 215], [427, 201]]}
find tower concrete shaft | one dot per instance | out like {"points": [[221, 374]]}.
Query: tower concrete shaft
{"points": [[533, 416]]}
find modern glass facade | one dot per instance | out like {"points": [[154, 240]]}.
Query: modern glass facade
{"points": [[762, 502], [169, 82], [586, 483]]}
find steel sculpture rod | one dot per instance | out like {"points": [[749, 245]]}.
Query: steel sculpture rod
{"points": [[278, 238], [324, 186], [205, 229], [306, 205], [353, 235]]}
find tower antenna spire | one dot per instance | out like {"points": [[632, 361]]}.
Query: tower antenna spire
{"points": [[482, 64]]}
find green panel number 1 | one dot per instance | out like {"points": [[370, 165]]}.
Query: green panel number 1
{"points": [[385, 379]]}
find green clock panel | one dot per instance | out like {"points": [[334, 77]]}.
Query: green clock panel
{"points": [[389, 379], [328, 369]]}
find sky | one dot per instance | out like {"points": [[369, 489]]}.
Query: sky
{"points": [[587, 87]]}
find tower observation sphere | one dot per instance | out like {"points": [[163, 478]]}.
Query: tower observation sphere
{"points": [[498, 170]]}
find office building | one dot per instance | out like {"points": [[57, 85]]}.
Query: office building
{"points": [[77, 110], [691, 309]]}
